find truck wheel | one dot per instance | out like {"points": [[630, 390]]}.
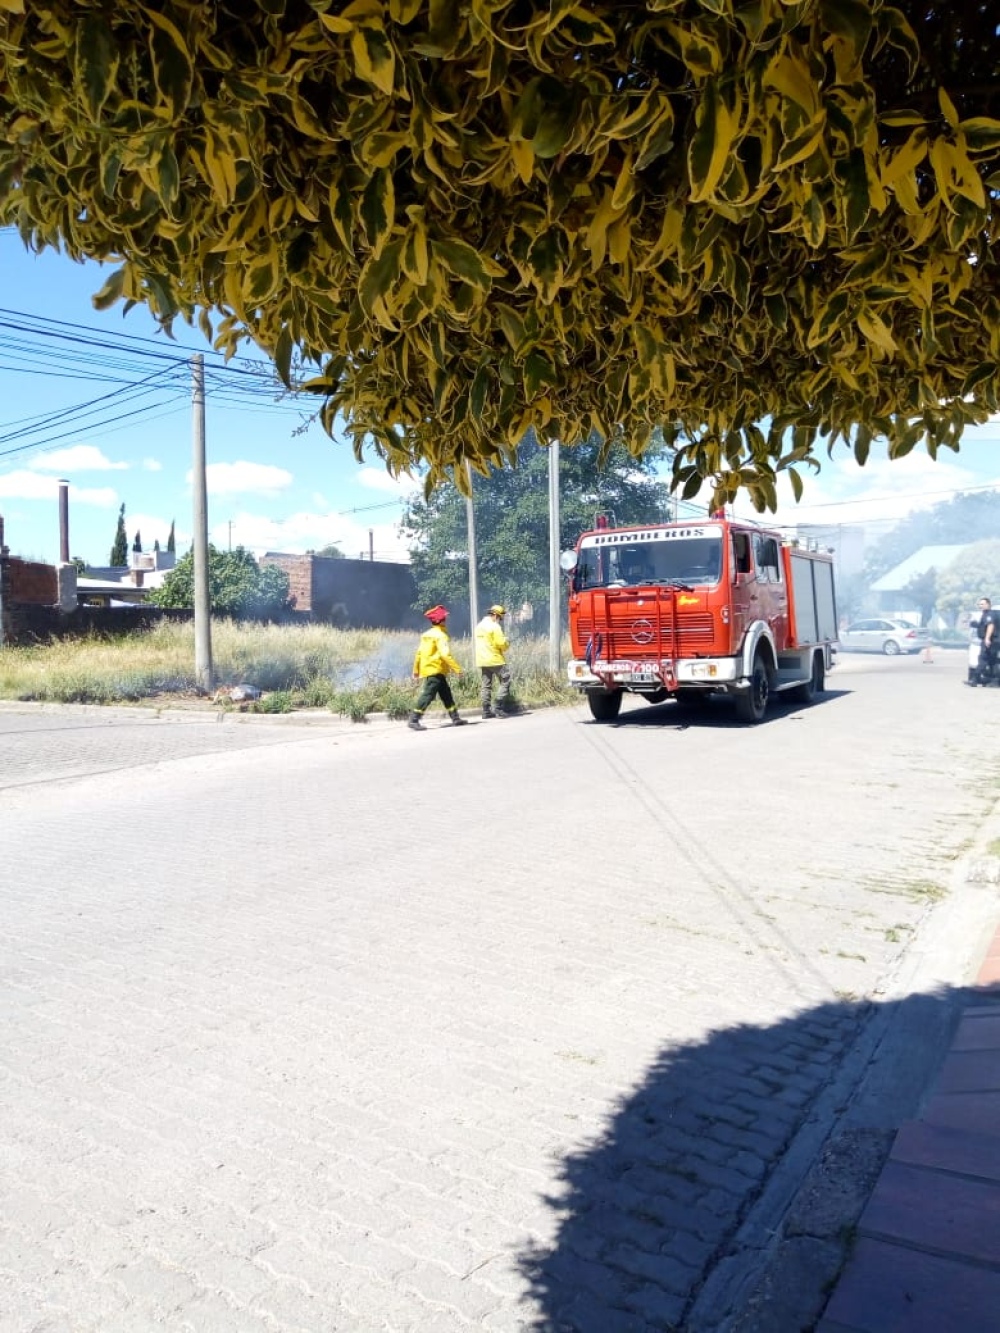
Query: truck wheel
{"points": [[605, 705], [751, 703], [805, 694]]}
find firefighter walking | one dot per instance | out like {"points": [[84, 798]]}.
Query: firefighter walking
{"points": [[491, 659], [433, 664]]}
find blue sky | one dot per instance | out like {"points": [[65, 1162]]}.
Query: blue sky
{"points": [[104, 401], [281, 490]]}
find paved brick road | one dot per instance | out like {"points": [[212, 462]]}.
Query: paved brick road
{"points": [[313, 1027]]}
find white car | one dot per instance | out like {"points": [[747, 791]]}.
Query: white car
{"points": [[883, 636]]}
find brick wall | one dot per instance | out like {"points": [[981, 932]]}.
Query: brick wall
{"points": [[32, 584], [41, 624], [376, 594], [299, 571]]}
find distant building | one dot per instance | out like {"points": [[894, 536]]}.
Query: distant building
{"points": [[890, 589], [104, 585], [849, 543]]}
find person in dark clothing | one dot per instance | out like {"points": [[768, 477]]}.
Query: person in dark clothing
{"points": [[986, 625]]}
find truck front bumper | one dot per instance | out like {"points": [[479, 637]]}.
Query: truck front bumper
{"points": [[693, 671]]}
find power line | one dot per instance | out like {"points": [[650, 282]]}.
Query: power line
{"points": [[159, 380]]}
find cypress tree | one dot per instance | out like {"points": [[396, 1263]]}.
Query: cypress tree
{"points": [[119, 551]]}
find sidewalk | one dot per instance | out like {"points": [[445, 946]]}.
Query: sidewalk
{"points": [[927, 1255]]}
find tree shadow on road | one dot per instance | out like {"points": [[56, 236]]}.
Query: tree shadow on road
{"points": [[717, 713], [650, 1215]]}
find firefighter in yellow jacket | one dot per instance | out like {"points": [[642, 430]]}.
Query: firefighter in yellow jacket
{"points": [[432, 665], [491, 659]]}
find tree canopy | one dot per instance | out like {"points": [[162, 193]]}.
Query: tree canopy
{"points": [[970, 517], [769, 228], [973, 574], [238, 586], [511, 510]]}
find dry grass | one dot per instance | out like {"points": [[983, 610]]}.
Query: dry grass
{"points": [[353, 672]]}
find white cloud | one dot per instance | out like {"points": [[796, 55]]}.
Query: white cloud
{"points": [[78, 458], [305, 531], [152, 465], [377, 479], [883, 490], [152, 527], [245, 478], [25, 485]]}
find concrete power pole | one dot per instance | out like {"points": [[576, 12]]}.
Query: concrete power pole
{"points": [[202, 597], [554, 578], [470, 523]]}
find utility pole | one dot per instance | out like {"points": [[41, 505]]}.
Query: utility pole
{"points": [[4, 574], [554, 579], [371, 545], [202, 598], [470, 524]]}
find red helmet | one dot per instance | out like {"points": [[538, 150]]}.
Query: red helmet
{"points": [[436, 614]]}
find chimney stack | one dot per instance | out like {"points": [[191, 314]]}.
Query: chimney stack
{"points": [[63, 521]]}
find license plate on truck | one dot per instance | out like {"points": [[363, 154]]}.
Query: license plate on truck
{"points": [[637, 678]]}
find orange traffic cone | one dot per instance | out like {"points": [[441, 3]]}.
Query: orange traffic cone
{"points": [[927, 653]]}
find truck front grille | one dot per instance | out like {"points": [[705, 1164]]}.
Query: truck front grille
{"points": [[630, 633]]}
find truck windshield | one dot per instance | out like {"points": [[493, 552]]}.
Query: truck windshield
{"points": [[691, 561]]}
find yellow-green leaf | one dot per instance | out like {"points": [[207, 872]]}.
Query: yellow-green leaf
{"points": [[876, 331], [415, 257], [96, 63], [110, 292], [220, 166], [982, 133], [711, 143], [465, 262], [261, 277], [905, 159], [378, 207], [404, 11], [374, 57], [173, 71], [790, 76], [947, 108], [849, 19]]}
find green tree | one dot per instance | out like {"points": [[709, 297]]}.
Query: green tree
{"points": [[238, 586], [772, 226], [923, 589], [119, 549], [512, 522], [330, 552], [973, 574], [172, 539]]}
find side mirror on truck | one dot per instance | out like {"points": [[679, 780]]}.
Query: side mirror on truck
{"points": [[567, 562]]}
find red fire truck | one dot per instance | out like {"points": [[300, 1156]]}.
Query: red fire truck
{"points": [[689, 609]]}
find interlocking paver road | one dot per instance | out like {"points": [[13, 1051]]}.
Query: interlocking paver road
{"points": [[312, 1027]]}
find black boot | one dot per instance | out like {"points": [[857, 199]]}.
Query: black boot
{"points": [[488, 712], [457, 721], [415, 724]]}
